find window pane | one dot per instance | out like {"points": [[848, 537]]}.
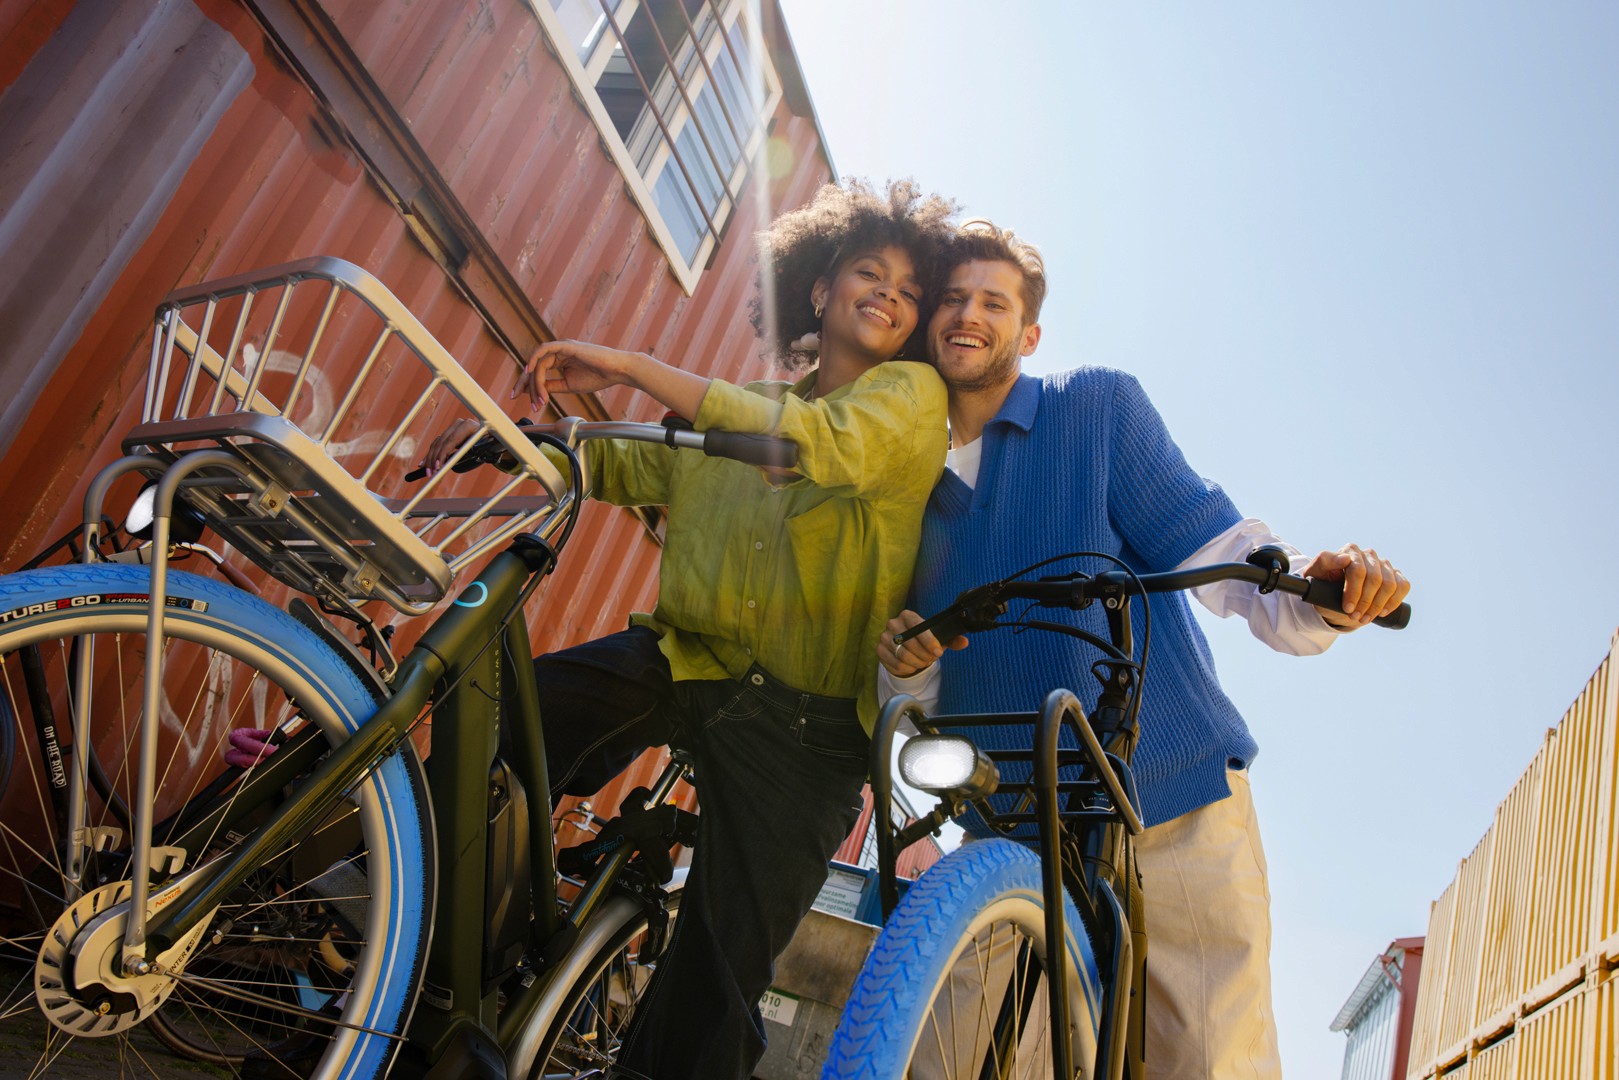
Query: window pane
{"points": [[752, 77], [583, 22], [678, 207], [697, 162], [620, 92], [718, 130], [730, 85]]}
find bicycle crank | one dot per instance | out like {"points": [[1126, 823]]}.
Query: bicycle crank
{"points": [[78, 979]]}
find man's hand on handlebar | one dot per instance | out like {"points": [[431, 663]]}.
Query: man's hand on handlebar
{"points": [[918, 653], [1373, 586]]}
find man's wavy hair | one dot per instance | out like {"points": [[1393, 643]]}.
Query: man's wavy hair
{"points": [[981, 240], [814, 241]]}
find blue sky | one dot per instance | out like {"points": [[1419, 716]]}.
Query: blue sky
{"points": [[1365, 258]]}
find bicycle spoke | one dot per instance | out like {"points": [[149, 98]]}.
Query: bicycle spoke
{"points": [[285, 941], [232, 990]]}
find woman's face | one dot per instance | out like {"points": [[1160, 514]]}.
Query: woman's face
{"points": [[872, 302]]}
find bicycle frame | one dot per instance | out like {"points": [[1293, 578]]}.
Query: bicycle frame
{"points": [[1095, 814], [472, 667]]}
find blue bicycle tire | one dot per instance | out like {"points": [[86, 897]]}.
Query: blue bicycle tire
{"points": [[392, 814], [895, 1011]]}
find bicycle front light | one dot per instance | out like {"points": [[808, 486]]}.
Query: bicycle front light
{"points": [[948, 765], [185, 526]]}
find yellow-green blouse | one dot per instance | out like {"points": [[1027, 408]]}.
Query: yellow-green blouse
{"points": [[799, 577]]}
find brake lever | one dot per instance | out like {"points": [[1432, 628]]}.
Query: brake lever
{"points": [[486, 451], [974, 610]]}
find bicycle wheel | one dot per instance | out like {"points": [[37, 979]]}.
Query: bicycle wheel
{"points": [[310, 968], [588, 1027], [955, 987]]}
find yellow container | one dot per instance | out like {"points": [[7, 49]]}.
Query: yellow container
{"points": [[1498, 1061], [1472, 890], [1560, 929], [1602, 1031], [1431, 990], [1505, 930], [1552, 1043]]}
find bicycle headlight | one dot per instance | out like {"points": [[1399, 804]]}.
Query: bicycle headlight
{"points": [[947, 765], [185, 527]]}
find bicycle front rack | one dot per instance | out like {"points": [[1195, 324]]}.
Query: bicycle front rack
{"points": [[261, 367]]}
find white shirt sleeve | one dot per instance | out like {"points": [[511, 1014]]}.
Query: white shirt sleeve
{"points": [[1285, 623], [923, 686]]}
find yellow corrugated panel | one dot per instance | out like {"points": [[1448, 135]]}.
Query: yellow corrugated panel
{"points": [[1463, 1071], [1431, 988], [1607, 827], [1496, 1062], [1551, 1041], [1560, 928], [1602, 1031], [1461, 974], [1504, 929]]}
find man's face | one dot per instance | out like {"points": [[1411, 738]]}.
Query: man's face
{"points": [[976, 337]]}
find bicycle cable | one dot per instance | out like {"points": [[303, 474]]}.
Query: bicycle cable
{"points": [[1023, 622], [576, 482]]}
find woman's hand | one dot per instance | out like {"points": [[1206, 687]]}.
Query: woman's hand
{"points": [[1373, 587], [442, 448], [574, 367]]}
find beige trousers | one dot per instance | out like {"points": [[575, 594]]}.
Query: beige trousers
{"points": [[1209, 1014]]}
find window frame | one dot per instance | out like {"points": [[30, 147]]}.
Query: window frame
{"points": [[647, 142]]}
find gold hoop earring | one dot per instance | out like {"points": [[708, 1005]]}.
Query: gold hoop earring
{"points": [[818, 309]]}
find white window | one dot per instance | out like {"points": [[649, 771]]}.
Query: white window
{"points": [[682, 91]]}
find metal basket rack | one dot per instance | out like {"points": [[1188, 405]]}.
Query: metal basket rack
{"points": [[237, 366]]}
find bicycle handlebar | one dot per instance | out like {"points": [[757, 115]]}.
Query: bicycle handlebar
{"points": [[979, 607], [767, 451]]}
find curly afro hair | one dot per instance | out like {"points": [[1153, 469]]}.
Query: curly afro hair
{"points": [[840, 222]]}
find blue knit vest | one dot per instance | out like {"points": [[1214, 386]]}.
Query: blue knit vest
{"points": [[1081, 461]]}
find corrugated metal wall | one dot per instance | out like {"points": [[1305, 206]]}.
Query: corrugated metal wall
{"points": [[910, 863], [1523, 945], [1370, 1053], [437, 144]]}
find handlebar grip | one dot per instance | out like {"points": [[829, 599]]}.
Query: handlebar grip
{"points": [[946, 627], [1330, 594], [485, 451], [766, 450], [473, 459]]}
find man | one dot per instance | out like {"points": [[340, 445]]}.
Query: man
{"points": [[1081, 461]]}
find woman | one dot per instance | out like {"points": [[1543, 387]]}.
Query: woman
{"points": [[760, 655]]}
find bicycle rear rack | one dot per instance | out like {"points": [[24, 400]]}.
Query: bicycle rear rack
{"points": [[248, 365]]}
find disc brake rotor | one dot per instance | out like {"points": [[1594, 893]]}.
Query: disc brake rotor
{"points": [[78, 977]]}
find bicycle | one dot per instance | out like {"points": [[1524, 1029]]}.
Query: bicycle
{"points": [[340, 907], [1026, 951]]}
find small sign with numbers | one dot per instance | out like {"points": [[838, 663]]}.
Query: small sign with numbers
{"points": [[779, 1007]]}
